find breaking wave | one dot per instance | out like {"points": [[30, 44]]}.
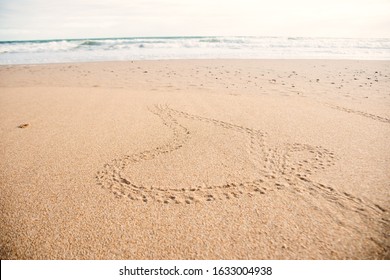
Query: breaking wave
{"points": [[139, 48]]}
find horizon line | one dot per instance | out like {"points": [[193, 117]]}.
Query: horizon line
{"points": [[187, 36]]}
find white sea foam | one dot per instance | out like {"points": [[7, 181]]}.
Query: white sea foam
{"points": [[52, 51]]}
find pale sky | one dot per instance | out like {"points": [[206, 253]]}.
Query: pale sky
{"points": [[55, 19]]}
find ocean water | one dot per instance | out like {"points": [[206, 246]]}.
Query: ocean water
{"points": [[153, 48]]}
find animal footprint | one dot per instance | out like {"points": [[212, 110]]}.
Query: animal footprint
{"points": [[287, 168]]}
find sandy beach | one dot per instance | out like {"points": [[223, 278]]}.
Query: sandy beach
{"points": [[195, 159]]}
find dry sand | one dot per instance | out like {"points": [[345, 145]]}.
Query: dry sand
{"points": [[224, 159]]}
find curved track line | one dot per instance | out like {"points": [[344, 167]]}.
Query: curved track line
{"points": [[360, 113], [279, 169]]}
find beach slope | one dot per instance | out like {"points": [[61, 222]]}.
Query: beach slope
{"points": [[195, 159]]}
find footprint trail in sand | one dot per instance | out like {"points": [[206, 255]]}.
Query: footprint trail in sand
{"points": [[284, 169]]}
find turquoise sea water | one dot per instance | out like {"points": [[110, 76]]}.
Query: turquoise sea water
{"points": [[152, 48]]}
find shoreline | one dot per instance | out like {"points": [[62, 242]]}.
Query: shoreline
{"points": [[200, 59]]}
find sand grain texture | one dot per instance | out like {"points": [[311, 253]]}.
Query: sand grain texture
{"points": [[202, 159]]}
